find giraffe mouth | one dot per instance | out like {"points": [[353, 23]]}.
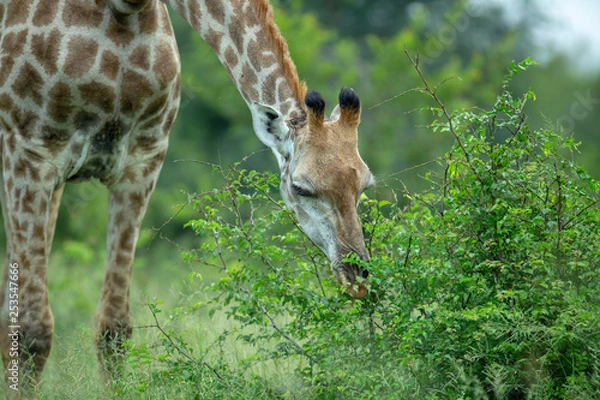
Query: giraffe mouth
{"points": [[353, 278]]}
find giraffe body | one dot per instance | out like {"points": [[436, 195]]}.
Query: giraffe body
{"points": [[84, 93], [90, 88], [80, 98]]}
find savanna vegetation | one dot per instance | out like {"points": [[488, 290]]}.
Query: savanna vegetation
{"points": [[484, 228]]}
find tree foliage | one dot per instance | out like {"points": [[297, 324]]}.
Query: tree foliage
{"points": [[482, 287]]}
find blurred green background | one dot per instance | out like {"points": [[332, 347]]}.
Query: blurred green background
{"points": [[467, 46]]}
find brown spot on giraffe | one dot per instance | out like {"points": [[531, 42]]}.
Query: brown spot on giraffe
{"points": [[99, 95], [14, 42], [150, 188], [214, 39], [140, 57], [119, 33], [236, 34], [76, 13], [60, 106], [135, 90], [176, 91], [216, 11], [283, 91], [17, 12], [39, 230], [29, 83], [43, 203], [119, 218], [29, 195], [156, 108], [271, 80], [170, 119], [195, 13], [6, 103], [136, 200], [81, 55], [24, 121], [231, 57], [45, 13], [38, 251], [248, 80], [148, 125], [46, 49], [153, 117], [24, 169], [257, 57], [33, 290], [118, 280], [10, 141], [241, 5], [165, 68], [54, 138], [114, 299], [125, 241], [151, 165], [147, 22], [82, 120], [6, 65], [166, 26], [109, 65]]}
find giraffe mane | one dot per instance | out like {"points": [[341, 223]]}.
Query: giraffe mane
{"points": [[264, 12]]}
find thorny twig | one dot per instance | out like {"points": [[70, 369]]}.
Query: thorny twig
{"points": [[433, 93], [177, 347], [279, 330]]}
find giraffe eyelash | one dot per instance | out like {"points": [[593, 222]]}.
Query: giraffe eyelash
{"points": [[302, 191]]}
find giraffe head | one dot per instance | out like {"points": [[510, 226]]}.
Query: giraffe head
{"points": [[322, 178]]}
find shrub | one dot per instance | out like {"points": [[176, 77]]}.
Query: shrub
{"points": [[484, 286]]}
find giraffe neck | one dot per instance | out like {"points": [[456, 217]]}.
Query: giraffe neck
{"points": [[248, 43]]}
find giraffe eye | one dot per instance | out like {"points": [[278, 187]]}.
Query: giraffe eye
{"points": [[302, 192]]}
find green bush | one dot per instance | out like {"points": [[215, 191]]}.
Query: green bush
{"points": [[484, 287]]}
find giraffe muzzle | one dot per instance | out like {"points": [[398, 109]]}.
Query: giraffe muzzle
{"points": [[353, 278]]}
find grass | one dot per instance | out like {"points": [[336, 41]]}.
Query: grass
{"points": [[71, 371]]}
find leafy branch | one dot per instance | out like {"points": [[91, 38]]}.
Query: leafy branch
{"points": [[176, 346], [433, 93]]}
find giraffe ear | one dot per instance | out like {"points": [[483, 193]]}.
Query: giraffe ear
{"points": [[272, 130], [315, 105], [349, 107]]}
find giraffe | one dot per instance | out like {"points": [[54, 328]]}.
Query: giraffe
{"points": [[90, 89]]}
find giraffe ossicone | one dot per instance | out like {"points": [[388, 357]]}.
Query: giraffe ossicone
{"points": [[90, 89]]}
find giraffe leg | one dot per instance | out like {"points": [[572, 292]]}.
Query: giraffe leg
{"points": [[53, 216], [29, 207], [128, 200]]}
